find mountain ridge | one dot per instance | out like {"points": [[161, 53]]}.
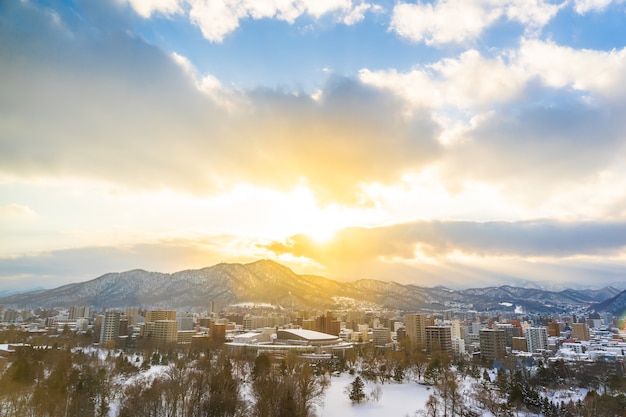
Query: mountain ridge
{"points": [[269, 281]]}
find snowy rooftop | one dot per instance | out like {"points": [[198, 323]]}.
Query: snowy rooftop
{"points": [[308, 334]]}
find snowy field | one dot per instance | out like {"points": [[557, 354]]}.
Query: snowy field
{"points": [[397, 400]]}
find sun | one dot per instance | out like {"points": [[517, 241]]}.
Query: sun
{"points": [[321, 232]]}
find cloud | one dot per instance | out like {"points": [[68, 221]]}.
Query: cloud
{"points": [[53, 268], [585, 6], [441, 239], [132, 115], [461, 21], [145, 8], [529, 120], [218, 18]]}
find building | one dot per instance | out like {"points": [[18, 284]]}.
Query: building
{"points": [[110, 328], [519, 344], [132, 313], [10, 316], [217, 331], [381, 336], [185, 323], [415, 325], [154, 315], [327, 324], [580, 331], [458, 346], [123, 331], [555, 328], [165, 331], [438, 339], [492, 344], [537, 339], [510, 331], [79, 312], [322, 345], [455, 328]]}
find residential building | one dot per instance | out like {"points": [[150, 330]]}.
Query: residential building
{"points": [[510, 331], [438, 339], [580, 331], [154, 315], [537, 339], [110, 328], [165, 331], [492, 344], [519, 344], [415, 325], [381, 336]]}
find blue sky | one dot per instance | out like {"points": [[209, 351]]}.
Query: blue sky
{"points": [[428, 142]]}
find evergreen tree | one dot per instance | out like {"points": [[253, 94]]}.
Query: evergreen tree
{"points": [[357, 395]]}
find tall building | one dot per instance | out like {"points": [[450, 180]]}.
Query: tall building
{"points": [[154, 315], [381, 336], [328, 324], [554, 328], [455, 328], [537, 339], [132, 313], [492, 344], [580, 331], [110, 329], [79, 312], [415, 325], [510, 332], [165, 331], [123, 331], [438, 339], [185, 323]]}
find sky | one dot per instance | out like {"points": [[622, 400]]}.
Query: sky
{"points": [[448, 142]]}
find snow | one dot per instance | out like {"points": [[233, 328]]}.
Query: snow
{"points": [[396, 399]]}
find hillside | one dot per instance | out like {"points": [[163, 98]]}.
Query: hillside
{"points": [[615, 305], [270, 282]]}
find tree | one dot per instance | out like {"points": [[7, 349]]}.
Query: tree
{"points": [[356, 394]]}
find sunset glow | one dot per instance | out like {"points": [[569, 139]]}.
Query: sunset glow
{"points": [[432, 142]]}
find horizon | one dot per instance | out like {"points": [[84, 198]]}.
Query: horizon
{"points": [[543, 286], [441, 142]]}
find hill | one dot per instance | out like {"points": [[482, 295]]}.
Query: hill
{"points": [[615, 305], [270, 282]]}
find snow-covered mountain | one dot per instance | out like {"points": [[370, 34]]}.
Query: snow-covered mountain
{"points": [[615, 305], [270, 282]]}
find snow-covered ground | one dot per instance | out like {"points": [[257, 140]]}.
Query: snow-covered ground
{"points": [[397, 400]]}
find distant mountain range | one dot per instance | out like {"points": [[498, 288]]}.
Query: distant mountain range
{"points": [[270, 282], [615, 305]]}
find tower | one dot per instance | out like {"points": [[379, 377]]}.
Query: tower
{"points": [[415, 325]]}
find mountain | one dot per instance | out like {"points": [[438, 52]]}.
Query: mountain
{"points": [[615, 305], [270, 282]]}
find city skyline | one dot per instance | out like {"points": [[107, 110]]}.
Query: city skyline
{"points": [[464, 143]]}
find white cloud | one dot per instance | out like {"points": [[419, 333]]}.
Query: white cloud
{"points": [[357, 14], [207, 83], [469, 82], [218, 18], [459, 21], [585, 70], [585, 6], [475, 83], [145, 8]]}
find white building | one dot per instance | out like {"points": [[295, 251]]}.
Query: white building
{"points": [[537, 339]]}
